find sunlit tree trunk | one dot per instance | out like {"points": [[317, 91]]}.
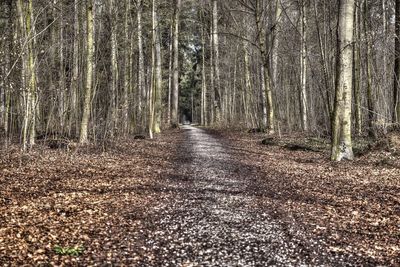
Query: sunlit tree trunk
{"points": [[341, 122], [170, 74], [218, 100], [203, 74], [175, 77], [83, 138], [275, 44], [303, 68], [264, 122], [25, 11], [248, 89], [158, 70], [212, 79]]}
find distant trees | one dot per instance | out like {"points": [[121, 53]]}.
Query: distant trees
{"points": [[96, 69]]}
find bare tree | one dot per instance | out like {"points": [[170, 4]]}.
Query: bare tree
{"points": [[341, 122]]}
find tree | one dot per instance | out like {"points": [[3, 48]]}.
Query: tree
{"points": [[83, 138], [114, 68], [396, 86], [175, 68], [27, 30], [259, 13], [341, 121], [303, 66], [216, 63], [158, 70], [141, 70]]}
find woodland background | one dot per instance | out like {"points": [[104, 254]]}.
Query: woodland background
{"points": [[81, 70]]}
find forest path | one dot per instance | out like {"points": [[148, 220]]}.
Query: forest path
{"points": [[212, 220]]}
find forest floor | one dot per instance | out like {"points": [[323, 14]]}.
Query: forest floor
{"points": [[195, 197]]}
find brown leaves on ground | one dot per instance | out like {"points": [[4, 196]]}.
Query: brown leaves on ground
{"points": [[90, 199], [99, 200], [354, 207]]}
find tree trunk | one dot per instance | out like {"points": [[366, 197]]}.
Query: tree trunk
{"points": [[175, 77], [212, 80], [141, 69], [127, 68], [303, 68], [357, 72], [170, 74], [75, 81], [396, 87], [158, 70], [341, 122], [114, 69], [25, 10], [370, 96], [275, 44], [218, 107], [203, 74], [265, 61], [89, 72]]}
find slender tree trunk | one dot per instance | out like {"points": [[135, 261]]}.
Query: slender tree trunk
{"points": [[26, 96], [75, 81], [265, 60], [218, 97], [31, 33], [275, 44], [264, 122], [25, 11], [62, 81], [170, 74], [248, 86], [324, 62], [127, 68], [158, 70], [141, 69], [114, 69], [175, 78], [303, 68], [6, 88], [357, 72], [341, 123], [203, 76], [89, 72], [370, 95], [396, 87], [153, 84], [212, 80]]}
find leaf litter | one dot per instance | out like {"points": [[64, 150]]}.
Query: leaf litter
{"points": [[198, 198]]}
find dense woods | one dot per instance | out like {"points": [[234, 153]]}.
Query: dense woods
{"points": [[199, 132], [91, 70]]}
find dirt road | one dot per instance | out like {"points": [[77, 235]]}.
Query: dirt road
{"points": [[213, 219], [195, 197]]}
